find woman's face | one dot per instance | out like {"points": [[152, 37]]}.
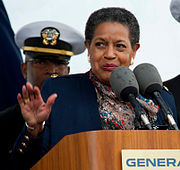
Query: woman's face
{"points": [[110, 48]]}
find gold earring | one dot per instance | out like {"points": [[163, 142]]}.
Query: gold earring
{"points": [[88, 58], [132, 60]]}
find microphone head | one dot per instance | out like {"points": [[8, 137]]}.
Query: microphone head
{"points": [[148, 78], [123, 82]]}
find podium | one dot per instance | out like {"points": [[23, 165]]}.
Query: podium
{"points": [[100, 150]]}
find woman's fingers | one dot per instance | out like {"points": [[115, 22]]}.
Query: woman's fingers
{"points": [[30, 90], [51, 100], [33, 108], [37, 92], [20, 100], [25, 94], [49, 103]]}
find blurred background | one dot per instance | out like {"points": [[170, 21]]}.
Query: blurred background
{"points": [[159, 36]]}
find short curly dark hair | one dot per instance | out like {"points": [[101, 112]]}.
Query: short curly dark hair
{"points": [[113, 14]]}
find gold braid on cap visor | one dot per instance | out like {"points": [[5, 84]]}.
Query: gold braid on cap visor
{"points": [[47, 50]]}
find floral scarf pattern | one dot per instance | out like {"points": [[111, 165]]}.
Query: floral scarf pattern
{"points": [[116, 114]]}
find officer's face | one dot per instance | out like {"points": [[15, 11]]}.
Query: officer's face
{"points": [[110, 48], [37, 71]]}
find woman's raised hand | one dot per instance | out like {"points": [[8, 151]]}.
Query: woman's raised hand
{"points": [[34, 110]]}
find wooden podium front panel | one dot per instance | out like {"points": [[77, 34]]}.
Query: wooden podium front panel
{"points": [[101, 150]]}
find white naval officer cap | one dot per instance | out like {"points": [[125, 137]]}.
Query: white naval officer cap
{"points": [[175, 9], [51, 39]]}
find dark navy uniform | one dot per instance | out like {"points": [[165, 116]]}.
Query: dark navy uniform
{"points": [[174, 87], [174, 84]]}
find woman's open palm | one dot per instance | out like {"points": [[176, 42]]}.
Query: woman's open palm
{"points": [[34, 109]]}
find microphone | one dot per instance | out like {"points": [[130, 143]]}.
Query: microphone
{"points": [[150, 85], [125, 85]]}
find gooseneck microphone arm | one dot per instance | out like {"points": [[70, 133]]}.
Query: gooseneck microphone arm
{"points": [[150, 84], [139, 111], [166, 111]]}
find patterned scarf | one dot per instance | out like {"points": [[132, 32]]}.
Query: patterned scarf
{"points": [[116, 114]]}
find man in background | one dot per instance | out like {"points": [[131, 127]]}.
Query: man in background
{"points": [[174, 84], [48, 47]]}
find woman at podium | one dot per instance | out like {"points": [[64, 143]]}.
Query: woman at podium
{"points": [[84, 102]]}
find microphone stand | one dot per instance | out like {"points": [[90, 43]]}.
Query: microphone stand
{"points": [[137, 124], [139, 112], [168, 114]]}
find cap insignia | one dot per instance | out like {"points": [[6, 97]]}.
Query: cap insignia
{"points": [[50, 36]]}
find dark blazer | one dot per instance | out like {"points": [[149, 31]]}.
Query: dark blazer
{"points": [[174, 87], [75, 110], [11, 124]]}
